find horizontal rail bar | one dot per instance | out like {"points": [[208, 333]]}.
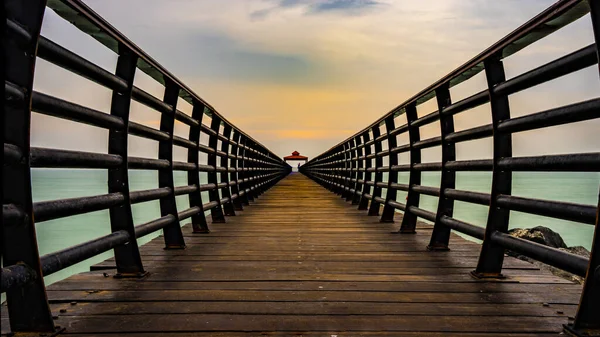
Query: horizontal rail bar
{"points": [[468, 196], [555, 209], [52, 106], [567, 114], [180, 190], [470, 102], [470, 134], [51, 263], [571, 263], [49, 210], [463, 227], [188, 212], [137, 197], [141, 130], [62, 57], [427, 190], [137, 163], [17, 275], [577, 162], [55, 158], [422, 213], [154, 225], [567, 64]]}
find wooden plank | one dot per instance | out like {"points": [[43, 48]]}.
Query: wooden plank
{"points": [[89, 281], [310, 296], [312, 308], [323, 323]]}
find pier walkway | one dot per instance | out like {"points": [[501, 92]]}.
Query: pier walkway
{"points": [[302, 261], [339, 249]]}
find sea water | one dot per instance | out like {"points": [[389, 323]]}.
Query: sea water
{"points": [[50, 184]]}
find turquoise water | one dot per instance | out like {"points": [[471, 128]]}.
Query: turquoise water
{"points": [[574, 187], [61, 233], [50, 184]]}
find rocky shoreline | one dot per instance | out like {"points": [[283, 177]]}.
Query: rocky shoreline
{"points": [[548, 237]]}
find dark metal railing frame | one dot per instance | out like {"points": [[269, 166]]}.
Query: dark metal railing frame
{"points": [[329, 167], [241, 168]]}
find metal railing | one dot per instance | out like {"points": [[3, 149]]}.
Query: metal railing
{"points": [[354, 168], [238, 167]]}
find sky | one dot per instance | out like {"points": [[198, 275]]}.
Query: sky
{"points": [[304, 74]]}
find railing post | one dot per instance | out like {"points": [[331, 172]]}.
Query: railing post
{"points": [[251, 189], [350, 169], [364, 202], [392, 193], [228, 207], [587, 319], [441, 234], [199, 224], [127, 257], [259, 188], [335, 171], [409, 220], [215, 212], [345, 168], [245, 173], [374, 207], [172, 232], [492, 254], [359, 174], [27, 305], [234, 176]]}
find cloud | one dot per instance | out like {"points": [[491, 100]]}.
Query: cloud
{"points": [[311, 7], [343, 6]]}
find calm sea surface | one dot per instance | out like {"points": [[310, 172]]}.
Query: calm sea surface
{"points": [[61, 233]]}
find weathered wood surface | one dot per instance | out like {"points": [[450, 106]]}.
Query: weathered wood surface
{"points": [[302, 261]]}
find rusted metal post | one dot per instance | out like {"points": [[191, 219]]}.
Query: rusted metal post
{"points": [[27, 304], [364, 202], [391, 194], [492, 254], [127, 257], [199, 224], [441, 233], [228, 206], [234, 176], [587, 319], [346, 193], [214, 195], [359, 174], [374, 206], [172, 232], [409, 220], [241, 173]]}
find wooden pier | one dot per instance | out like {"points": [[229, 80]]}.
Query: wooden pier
{"points": [[302, 262], [280, 254]]}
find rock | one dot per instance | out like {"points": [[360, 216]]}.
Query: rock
{"points": [[541, 235], [548, 237], [577, 250]]}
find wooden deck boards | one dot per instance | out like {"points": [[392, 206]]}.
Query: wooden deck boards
{"points": [[300, 261]]}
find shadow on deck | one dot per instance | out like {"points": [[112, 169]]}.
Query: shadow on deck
{"points": [[302, 261]]}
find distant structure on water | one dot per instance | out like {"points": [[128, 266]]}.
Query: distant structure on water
{"points": [[295, 156]]}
